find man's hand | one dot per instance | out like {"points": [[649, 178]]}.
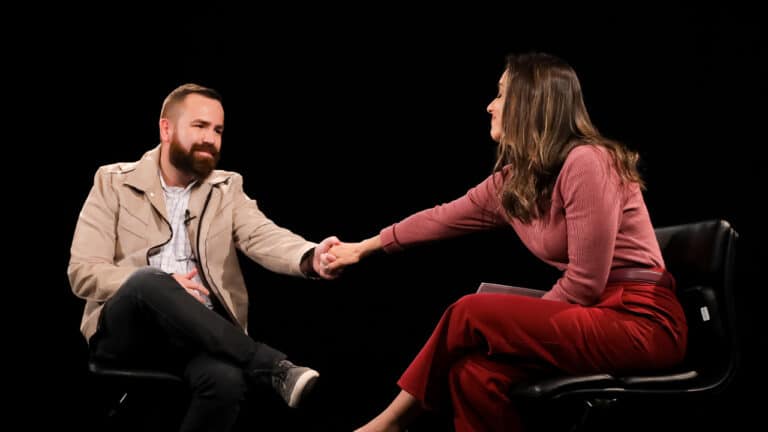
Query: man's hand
{"points": [[322, 258], [195, 289]]}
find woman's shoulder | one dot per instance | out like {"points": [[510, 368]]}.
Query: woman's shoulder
{"points": [[587, 159], [587, 152]]}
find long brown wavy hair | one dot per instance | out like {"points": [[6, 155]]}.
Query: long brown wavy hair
{"points": [[543, 119]]}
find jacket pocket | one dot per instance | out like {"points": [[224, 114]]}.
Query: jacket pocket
{"points": [[131, 232]]}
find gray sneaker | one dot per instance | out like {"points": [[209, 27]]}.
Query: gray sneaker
{"points": [[293, 382]]}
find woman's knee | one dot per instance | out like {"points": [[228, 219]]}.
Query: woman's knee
{"points": [[466, 306]]}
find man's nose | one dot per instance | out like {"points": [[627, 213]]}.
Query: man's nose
{"points": [[209, 136]]}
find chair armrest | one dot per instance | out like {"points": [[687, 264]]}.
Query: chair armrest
{"points": [[130, 373], [554, 387]]}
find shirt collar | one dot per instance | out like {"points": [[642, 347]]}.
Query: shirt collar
{"points": [[174, 189]]}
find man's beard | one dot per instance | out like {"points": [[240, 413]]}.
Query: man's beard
{"points": [[193, 163]]}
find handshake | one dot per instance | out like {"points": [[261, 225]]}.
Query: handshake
{"points": [[332, 255]]}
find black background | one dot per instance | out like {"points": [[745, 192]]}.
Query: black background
{"points": [[341, 126]]}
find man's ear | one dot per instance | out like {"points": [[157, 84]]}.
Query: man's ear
{"points": [[165, 130]]}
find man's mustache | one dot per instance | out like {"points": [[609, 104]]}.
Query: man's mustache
{"points": [[206, 148]]}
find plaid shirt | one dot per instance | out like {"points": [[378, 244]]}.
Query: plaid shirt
{"points": [[176, 255]]}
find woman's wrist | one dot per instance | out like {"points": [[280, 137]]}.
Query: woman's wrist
{"points": [[369, 246]]}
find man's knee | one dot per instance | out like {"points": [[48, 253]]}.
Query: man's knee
{"points": [[144, 278], [218, 380]]}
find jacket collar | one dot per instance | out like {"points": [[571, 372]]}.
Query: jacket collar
{"points": [[146, 176]]}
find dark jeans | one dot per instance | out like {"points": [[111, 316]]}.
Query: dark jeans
{"points": [[153, 322]]}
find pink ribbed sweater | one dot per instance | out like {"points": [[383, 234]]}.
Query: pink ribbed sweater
{"points": [[595, 224]]}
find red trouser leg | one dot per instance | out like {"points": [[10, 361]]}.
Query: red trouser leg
{"points": [[492, 324], [479, 390], [566, 337]]}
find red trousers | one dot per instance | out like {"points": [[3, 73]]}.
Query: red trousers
{"points": [[485, 343]]}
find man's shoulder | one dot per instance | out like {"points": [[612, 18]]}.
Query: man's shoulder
{"points": [[118, 168], [222, 176]]}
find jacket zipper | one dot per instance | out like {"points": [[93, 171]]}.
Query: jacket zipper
{"points": [[200, 262], [155, 247]]}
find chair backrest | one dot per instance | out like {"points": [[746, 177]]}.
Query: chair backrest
{"points": [[702, 256]]}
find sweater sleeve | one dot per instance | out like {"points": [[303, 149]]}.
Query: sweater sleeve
{"points": [[592, 195], [479, 209]]}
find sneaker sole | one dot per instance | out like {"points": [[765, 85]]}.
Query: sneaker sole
{"points": [[303, 385]]}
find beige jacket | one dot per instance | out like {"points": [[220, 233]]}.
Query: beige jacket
{"points": [[123, 222]]}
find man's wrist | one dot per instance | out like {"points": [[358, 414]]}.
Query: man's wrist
{"points": [[306, 265]]}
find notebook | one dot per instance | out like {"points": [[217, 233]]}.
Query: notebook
{"points": [[488, 287]]}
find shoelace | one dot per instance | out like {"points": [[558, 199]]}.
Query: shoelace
{"points": [[280, 375]]}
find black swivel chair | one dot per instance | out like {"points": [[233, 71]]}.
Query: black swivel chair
{"points": [[139, 384], [701, 256]]}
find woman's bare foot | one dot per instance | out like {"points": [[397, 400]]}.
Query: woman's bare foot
{"points": [[396, 417], [376, 425]]}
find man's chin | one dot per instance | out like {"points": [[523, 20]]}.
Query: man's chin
{"points": [[201, 172]]}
